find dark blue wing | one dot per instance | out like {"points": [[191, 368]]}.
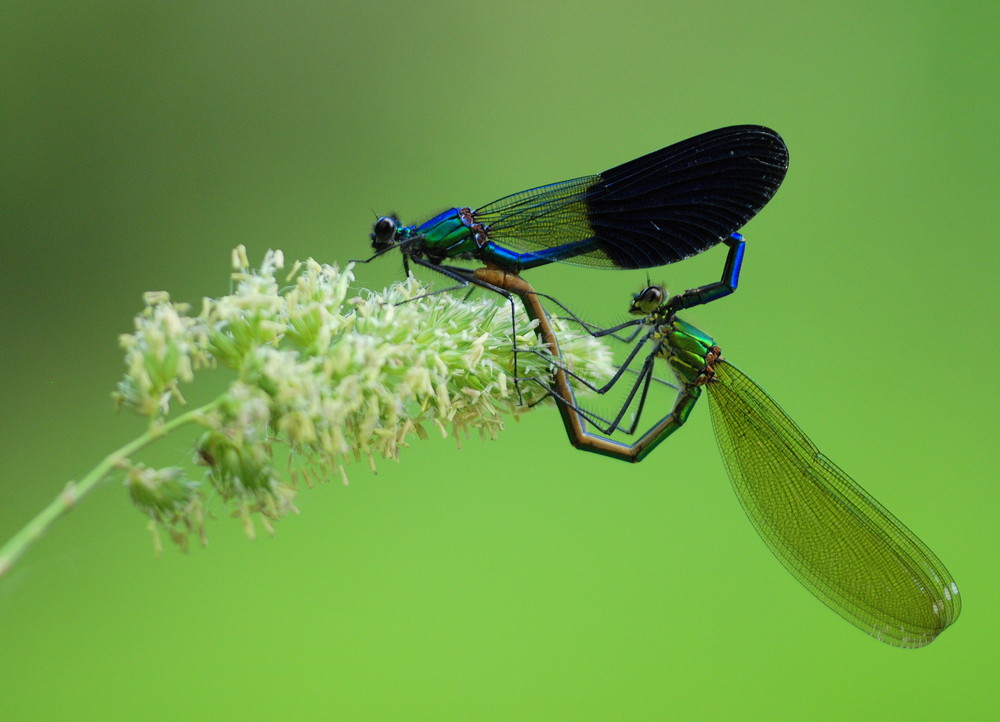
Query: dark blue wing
{"points": [[654, 210]]}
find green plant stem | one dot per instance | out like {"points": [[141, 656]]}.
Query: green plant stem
{"points": [[18, 544]]}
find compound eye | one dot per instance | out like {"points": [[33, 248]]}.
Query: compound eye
{"points": [[384, 232], [647, 300], [653, 294]]}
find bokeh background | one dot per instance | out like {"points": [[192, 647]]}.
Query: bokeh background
{"points": [[513, 579]]}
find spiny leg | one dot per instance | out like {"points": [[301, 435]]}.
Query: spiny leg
{"points": [[573, 418], [688, 299]]}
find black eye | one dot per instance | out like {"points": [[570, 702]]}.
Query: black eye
{"points": [[653, 294], [384, 232], [647, 300]]}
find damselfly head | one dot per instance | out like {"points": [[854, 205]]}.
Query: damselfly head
{"points": [[384, 233], [648, 300]]}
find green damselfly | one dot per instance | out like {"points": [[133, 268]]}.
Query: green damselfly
{"points": [[828, 532]]}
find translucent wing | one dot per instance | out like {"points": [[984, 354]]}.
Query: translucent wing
{"points": [[654, 210], [838, 541]]}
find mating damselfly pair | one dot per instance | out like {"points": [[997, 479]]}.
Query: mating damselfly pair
{"points": [[838, 541]]}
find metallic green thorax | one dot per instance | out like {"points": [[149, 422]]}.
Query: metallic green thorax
{"points": [[689, 351], [690, 354], [650, 211], [828, 532], [464, 234], [447, 235]]}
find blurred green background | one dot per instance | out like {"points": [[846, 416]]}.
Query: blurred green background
{"points": [[513, 579]]}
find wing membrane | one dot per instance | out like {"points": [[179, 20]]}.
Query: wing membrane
{"points": [[838, 541], [654, 210]]}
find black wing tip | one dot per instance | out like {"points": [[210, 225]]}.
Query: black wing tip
{"points": [[761, 130], [764, 138]]}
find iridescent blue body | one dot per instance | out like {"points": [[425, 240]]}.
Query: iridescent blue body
{"points": [[454, 234], [651, 211]]}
